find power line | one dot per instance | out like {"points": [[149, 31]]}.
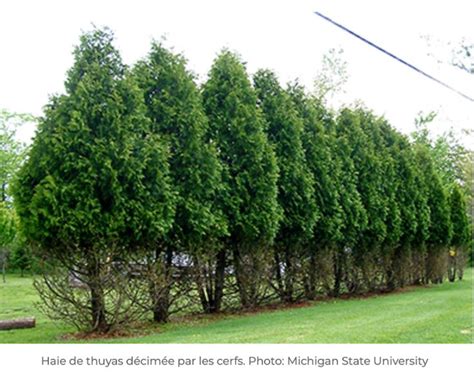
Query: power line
{"points": [[393, 56]]}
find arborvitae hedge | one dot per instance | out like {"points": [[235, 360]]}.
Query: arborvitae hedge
{"points": [[160, 197], [250, 173], [176, 114], [296, 194], [96, 184]]}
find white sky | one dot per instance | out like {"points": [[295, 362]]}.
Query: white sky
{"points": [[37, 38]]}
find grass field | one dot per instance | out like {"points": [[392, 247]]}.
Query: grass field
{"points": [[435, 314]]}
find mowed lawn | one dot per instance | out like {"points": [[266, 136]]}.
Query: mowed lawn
{"points": [[434, 314]]}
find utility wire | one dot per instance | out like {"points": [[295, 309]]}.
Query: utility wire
{"points": [[393, 56]]}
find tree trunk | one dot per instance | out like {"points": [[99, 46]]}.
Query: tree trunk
{"points": [[310, 284], [390, 274], [279, 279], [285, 279], [239, 276], [4, 192], [161, 298], [337, 273], [219, 286], [290, 277], [99, 321], [452, 268], [21, 323], [98, 313], [210, 283]]}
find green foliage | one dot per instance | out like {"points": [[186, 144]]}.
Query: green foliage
{"points": [[8, 234], [459, 219], [383, 138], [95, 187], [148, 190], [463, 57], [363, 203], [408, 193], [368, 168], [12, 151], [333, 75], [95, 177], [295, 182], [175, 110], [250, 169], [440, 229], [22, 258], [447, 150], [319, 142], [8, 225]]}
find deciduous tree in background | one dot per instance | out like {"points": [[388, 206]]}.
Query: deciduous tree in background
{"points": [[12, 151], [12, 154], [8, 232]]}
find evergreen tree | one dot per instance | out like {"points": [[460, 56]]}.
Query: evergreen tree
{"points": [[384, 141], [175, 109], [440, 228], [354, 214], [21, 257], [461, 232], [368, 171], [319, 144], [95, 185], [295, 183], [250, 171], [407, 196], [459, 219]]}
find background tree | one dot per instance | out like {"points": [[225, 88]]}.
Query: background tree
{"points": [[250, 171], [22, 258], [12, 151], [333, 75], [8, 232], [463, 57], [94, 188], [175, 109]]}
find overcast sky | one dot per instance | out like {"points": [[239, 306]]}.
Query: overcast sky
{"points": [[37, 38]]}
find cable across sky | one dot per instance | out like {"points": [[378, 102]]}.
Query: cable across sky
{"points": [[411, 66]]}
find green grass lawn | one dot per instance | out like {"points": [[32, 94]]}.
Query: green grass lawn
{"points": [[434, 314]]}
